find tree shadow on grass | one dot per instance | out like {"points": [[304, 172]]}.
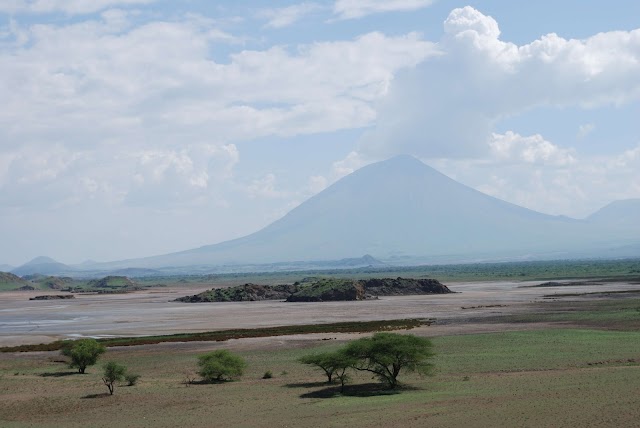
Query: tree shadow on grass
{"points": [[101, 395], [208, 382], [360, 390], [58, 374], [307, 384]]}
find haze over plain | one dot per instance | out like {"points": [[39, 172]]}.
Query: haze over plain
{"points": [[134, 128]]}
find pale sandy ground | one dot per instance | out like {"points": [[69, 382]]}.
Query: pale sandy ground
{"points": [[152, 312]]}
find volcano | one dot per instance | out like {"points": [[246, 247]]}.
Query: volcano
{"points": [[401, 209]]}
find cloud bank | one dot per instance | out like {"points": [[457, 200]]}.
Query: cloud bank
{"points": [[449, 105]]}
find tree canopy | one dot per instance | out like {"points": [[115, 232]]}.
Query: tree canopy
{"points": [[386, 354], [113, 372], [221, 365], [332, 363], [83, 353], [383, 354]]}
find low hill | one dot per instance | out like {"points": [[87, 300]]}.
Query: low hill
{"points": [[9, 281], [116, 282], [55, 282]]}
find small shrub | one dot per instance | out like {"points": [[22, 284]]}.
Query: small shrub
{"points": [[132, 379], [267, 375], [189, 378], [284, 373]]}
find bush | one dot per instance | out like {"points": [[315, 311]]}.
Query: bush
{"points": [[132, 379], [267, 375], [83, 353], [221, 365]]}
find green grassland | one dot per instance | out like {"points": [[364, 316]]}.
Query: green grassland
{"points": [[572, 371], [619, 313], [532, 378]]}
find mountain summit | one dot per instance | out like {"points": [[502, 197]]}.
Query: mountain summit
{"points": [[403, 209], [42, 265]]}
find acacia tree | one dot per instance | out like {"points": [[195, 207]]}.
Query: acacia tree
{"points": [[221, 365], [83, 353], [332, 363], [113, 372], [386, 354], [323, 361]]}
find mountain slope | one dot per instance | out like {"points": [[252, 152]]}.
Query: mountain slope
{"points": [[42, 265], [623, 214], [402, 208]]}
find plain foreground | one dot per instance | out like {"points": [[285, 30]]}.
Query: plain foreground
{"points": [[568, 361]]}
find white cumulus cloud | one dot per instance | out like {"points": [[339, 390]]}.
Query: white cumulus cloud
{"points": [[449, 104], [352, 9], [533, 149], [286, 16]]}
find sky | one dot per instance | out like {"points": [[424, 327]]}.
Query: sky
{"points": [[132, 128]]}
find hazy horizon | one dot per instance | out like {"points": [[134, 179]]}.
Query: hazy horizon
{"points": [[134, 128]]}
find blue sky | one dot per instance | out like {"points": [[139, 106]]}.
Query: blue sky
{"points": [[139, 127]]}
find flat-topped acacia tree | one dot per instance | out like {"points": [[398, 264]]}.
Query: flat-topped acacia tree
{"points": [[386, 354]]}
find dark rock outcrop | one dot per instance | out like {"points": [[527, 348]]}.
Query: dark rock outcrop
{"points": [[53, 297]]}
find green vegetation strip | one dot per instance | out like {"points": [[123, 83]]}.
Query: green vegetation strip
{"points": [[219, 336]]}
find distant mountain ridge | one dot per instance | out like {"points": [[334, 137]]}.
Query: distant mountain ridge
{"points": [[42, 265], [401, 211], [403, 208]]}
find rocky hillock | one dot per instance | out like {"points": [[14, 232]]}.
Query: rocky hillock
{"points": [[403, 286], [53, 297], [330, 290], [346, 289], [321, 290], [243, 293]]}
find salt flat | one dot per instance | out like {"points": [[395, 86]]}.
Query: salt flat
{"points": [[152, 311]]}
